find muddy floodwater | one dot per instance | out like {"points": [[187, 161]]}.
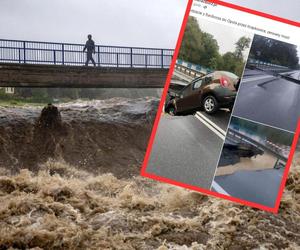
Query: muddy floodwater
{"points": [[66, 200], [265, 161], [98, 136]]}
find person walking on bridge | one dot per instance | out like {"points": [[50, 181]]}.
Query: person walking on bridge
{"points": [[90, 47]]}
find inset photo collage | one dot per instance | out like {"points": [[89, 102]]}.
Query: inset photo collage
{"points": [[230, 114]]}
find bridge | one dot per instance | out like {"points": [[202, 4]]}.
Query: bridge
{"points": [[191, 69], [267, 146], [47, 64]]}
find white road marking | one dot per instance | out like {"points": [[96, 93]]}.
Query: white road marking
{"points": [[251, 79], [212, 128], [212, 123], [218, 188]]}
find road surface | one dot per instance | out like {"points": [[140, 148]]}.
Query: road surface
{"points": [[269, 100], [187, 148], [293, 74], [259, 186]]}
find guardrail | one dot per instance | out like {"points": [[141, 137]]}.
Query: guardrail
{"points": [[267, 66], [188, 71], [272, 148], [33, 52], [195, 68]]}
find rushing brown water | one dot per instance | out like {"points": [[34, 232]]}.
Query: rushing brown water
{"points": [[97, 136], [60, 206], [73, 209]]}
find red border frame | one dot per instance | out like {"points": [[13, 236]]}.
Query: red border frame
{"points": [[160, 108]]}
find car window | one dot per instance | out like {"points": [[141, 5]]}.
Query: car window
{"points": [[184, 90], [207, 79], [231, 75], [197, 84]]}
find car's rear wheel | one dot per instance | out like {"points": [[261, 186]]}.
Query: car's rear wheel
{"points": [[172, 110], [210, 104]]}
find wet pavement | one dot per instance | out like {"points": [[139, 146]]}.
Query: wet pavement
{"points": [[268, 99]]}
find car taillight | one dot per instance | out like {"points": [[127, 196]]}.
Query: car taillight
{"points": [[224, 82]]}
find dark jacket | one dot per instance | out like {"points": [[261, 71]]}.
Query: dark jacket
{"points": [[89, 46]]}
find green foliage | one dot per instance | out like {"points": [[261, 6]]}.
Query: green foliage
{"points": [[49, 95], [274, 51], [38, 95], [192, 45], [240, 46], [202, 48]]}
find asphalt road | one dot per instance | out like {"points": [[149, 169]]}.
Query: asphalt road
{"points": [[269, 100], [187, 148], [294, 74], [241, 185], [220, 118]]}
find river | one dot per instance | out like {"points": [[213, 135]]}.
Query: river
{"points": [[86, 192]]}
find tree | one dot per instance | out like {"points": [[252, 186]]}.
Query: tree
{"points": [[274, 51], [234, 61], [241, 45], [228, 62], [198, 47], [191, 43], [202, 48]]}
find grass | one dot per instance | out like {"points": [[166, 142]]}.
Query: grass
{"points": [[20, 103]]}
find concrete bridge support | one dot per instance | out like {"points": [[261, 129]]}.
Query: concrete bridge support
{"points": [[31, 75]]}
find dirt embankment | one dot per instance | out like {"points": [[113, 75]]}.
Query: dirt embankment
{"points": [[97, 136]]}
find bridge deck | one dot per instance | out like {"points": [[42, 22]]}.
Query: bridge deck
{"points": [[33, 75]]}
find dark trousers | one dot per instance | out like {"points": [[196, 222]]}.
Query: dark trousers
{"points": [[89, 57]]}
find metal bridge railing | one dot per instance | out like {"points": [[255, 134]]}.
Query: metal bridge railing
{"points": [[194, 67], [17, 51], [272, 148], [267, 66]]}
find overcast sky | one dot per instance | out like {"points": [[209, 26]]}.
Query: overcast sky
{"points": [[225, 35], [288, 9], [146, 23]]}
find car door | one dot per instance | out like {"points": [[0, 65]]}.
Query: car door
{"points": [[182, 102], [196, 92]]}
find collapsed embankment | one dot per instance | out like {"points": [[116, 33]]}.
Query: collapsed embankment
{"points": [[97, 136]]}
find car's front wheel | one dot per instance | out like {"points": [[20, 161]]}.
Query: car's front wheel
{"points": [[210, 104]]}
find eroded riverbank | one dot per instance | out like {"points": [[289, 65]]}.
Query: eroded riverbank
{"points": [[97, 136]]}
